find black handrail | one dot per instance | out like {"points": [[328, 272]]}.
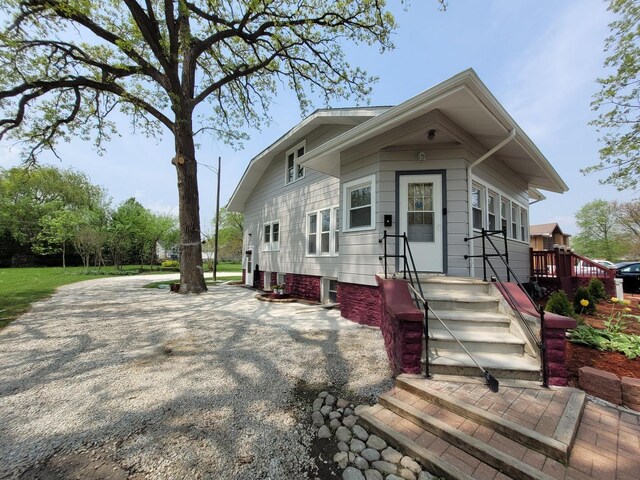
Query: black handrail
{"points": [[487, 234], [407, 257]]}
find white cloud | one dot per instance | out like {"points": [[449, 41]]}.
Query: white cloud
{"points": [[558, 71]]}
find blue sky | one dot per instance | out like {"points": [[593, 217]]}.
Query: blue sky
{"points": [[539, 58]]}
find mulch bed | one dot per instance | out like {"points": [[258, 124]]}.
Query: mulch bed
{"points": [[613, 362]]}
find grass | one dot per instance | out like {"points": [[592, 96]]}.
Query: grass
{"points": [[21, 287]]}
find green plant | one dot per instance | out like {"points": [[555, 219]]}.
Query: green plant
{"points": [[596, 289], [583, 302], [610, 339], [559, 303], [170, 264]]}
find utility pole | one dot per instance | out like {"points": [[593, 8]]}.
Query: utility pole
{"points": [[215, 247]]}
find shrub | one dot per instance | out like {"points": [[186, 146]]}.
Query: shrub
{"points": [[559, 303], [583, 296], [170, 264], [596, 289]]}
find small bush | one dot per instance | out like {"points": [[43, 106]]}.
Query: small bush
{"points": [[583, 296], [170, 264], [596, 289], [559, 303]]}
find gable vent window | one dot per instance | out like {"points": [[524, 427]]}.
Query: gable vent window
{"points": [[294, 171]]}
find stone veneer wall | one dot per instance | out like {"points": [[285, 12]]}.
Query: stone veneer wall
{"points": [[401, 326], [360, 303]]}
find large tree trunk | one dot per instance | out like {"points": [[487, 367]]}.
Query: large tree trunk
{"points": [[191, 272]]}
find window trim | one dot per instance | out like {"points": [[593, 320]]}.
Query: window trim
{"points": [[333, 219], [347, 187], [271, 245], [510, 204], [483, 205], [296, 171]]}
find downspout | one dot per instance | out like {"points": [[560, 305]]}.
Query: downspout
{"points": [[511, 136]]}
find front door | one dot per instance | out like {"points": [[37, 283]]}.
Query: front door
{"points": [[249, 262], [420, 217]]}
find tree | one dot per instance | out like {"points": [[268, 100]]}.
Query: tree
{"points": [[599, 235], [65, 65], [628, 215], [230, 234], [618, 100]]}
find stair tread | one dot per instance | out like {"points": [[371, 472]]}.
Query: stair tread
{"points": [[474, 336], [488, 360], [471, 316], [461, 296]]}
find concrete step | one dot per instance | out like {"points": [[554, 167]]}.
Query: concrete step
{"points": [[457, 362], [468, 319], [455, 439], [476, 341], [469, 301], [434, 285]]}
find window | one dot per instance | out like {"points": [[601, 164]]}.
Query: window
{"points": [[322, 232], [524, 223], [504, 215], [477, 204], [329, 290], [492, 210], [336, 230], [359, 196], [294, 170], [515, 216], [271, 236]]}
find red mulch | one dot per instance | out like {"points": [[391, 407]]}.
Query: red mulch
{"points": [[581, 356]]}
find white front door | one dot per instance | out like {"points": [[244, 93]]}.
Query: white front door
{"points": [[420, 218], [249, 265]]}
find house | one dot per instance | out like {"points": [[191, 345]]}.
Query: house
{"points": [[440, 167], [546, 235]]}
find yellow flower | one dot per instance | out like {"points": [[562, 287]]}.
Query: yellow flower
{"points": [[627, 309], [627, 302], [584, 302], [614, 299]]}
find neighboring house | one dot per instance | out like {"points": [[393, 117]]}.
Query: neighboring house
{"points": [[546, 235], [440, 166]]}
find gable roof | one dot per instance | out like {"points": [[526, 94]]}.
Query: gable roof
{"points": [[259, 164], [467, 102], [546, 230]]}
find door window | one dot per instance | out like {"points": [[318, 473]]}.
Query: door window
{"points": [[420, 214]]}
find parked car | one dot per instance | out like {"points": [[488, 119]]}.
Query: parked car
{"points": [[629, 272], [584, 268]]}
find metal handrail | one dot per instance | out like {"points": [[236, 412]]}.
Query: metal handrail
{"points": [[487, 234], [411, 269]]}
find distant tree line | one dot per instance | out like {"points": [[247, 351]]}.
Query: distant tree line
{"points": [[609, 230], [48, 212]]}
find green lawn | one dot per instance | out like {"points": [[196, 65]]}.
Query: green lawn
{"points": [[21, 287]]}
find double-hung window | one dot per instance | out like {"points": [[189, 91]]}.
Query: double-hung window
{"points": [[322, 233], [294, 171], [523, 225], [504, 215], [477, 204], [271, 236], [492, 210], [515, 218], [359, 207]]}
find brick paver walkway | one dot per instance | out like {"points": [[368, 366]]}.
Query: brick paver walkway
{"points": [[607, 444]]}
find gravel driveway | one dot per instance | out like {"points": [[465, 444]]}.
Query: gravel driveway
{"points": [[110, 380]]}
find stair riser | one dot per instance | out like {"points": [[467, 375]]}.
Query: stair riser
{"points": [[473, 371], [443, 346], [480, 306], [432, 289]]}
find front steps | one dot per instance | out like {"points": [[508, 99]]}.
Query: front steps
{"points": [[464, 431], [471, 309]]}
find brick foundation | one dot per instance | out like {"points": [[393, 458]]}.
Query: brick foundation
{"points": [[360, 303], [401, 326], [303, 286]]}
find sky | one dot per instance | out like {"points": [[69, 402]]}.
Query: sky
{"points": [[539, 58]]}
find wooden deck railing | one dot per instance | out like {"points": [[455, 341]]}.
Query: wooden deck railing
{"points": [[562, 262]]}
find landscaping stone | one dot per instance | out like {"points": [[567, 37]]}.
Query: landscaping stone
{"points": [[343, 434], [317, 404], [343, 447], [347, 412], [323, 395], [334, 415], [334, 424], [352, 473], [376, 442], [349, 421], [407, 474], [385, 468], [394, 477], [352, 457], [391, 455], [317, 419], [330, 400], [370, 454], [342, 403], [360, 432], [424, 475], [357, 446], [361, 463], [601, 384], [342, 459], [411, 464], [324, 432], [373, 475], [326, 410]]}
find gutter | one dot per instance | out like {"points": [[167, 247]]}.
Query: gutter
{"points": [[509, 138]]}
